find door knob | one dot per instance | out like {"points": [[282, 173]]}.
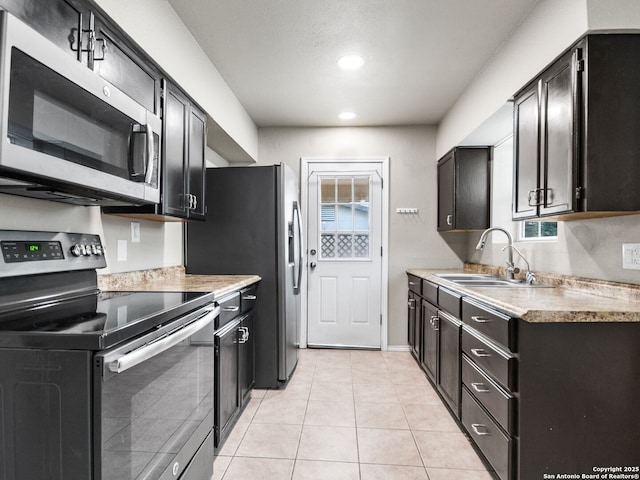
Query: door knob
{"points": [[312, 264]]}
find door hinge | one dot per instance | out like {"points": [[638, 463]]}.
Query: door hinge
{"points": [[578, 193], [579, 65], [380, 319], [380, 251]]}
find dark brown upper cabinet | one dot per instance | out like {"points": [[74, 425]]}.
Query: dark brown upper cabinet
{"points": [[183, 163], [464, 189], [86, 33], [576, 146], [183, 156]]}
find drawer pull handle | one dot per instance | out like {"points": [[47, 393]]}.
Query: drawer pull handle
{"points": [[478, 319], [412, 283], [230, 309], [478, 388], [249, 297], [480, 352], [476, 428]]}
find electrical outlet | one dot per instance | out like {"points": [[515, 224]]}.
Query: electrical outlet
{"points": [[631, 256]]}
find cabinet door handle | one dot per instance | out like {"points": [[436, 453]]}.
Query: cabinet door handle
{"points": [[249, 297], [449, 219], [412, 303], [478, 388], [434, 322], [478, 319], [230, 309], [476, 428], [244, 331], [534, 197], [480, 352]]}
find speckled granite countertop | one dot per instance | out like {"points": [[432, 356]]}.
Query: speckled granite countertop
{"points": [[173, 279], [570, 299]]}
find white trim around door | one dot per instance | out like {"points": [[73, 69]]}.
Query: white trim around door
{"points": [[306, 170]]}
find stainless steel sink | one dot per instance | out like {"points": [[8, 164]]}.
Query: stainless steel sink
{"points": [[485, 280], [454, 277]]}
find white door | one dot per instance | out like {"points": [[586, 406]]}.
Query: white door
{"points": [[344, 276]]}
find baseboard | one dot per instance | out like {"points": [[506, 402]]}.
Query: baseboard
{"points": [[398, 348]]}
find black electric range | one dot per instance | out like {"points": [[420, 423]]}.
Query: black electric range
{"points": [[99, 385]]}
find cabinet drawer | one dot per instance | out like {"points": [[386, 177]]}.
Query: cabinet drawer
{"points": [[449, 301], [415, 284], [499, 403], [498, 363], [495, 325], [229, 309], [430, 291], [494, 444], [248, 298]]}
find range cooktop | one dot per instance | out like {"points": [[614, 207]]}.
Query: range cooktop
{"points": [[95, 321]]}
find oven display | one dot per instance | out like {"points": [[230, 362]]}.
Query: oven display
{"points": [[13, 252]]}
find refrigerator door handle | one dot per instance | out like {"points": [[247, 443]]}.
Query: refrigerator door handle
{"points": [[297, 281]]}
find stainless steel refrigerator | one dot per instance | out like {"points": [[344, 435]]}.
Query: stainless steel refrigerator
{"points": [[253, 226]]}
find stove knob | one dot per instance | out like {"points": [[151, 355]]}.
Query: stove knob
{"points": [[87, 250], [76, 250]]}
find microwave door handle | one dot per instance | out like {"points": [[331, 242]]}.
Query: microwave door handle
{"points": [[146, 352], [150, 154]]}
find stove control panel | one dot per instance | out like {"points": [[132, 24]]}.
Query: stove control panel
{"points": [[31, 251], [26, 253]]}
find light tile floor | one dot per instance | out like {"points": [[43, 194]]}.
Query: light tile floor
{"points": [[349, 415]]}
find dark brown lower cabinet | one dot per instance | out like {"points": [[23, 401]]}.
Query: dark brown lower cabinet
{"points": [[578, 398], [538, 400], [449, 360], [430, 320], [234, 373], [414, 327]]}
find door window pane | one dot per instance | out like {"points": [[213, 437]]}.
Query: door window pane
{"points": [[327, 218], [361, 217], [361, 246], [345, 245], [361, 189], [345, 190], [327, 190], [344, 217], [327, 245]]}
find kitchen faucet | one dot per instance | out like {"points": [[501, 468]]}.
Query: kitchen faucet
{"points": [[511, 268]]}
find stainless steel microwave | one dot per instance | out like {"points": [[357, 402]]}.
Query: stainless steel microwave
{"points": [[66, 132]]}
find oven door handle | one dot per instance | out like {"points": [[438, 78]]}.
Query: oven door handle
{"points": [[150, 350]]}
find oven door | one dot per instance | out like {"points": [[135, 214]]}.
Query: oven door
{"points": [[64, 126], [154, 402]]}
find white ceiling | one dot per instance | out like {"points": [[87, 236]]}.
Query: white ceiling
{"points": [[279, 56]]}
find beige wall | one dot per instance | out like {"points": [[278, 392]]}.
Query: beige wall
{"points": [[413, 240]]}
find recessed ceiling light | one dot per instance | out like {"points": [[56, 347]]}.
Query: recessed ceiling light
{"points": [[347, 116], [350, 62]]}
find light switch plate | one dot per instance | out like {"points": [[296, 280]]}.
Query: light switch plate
{"points": [[631, 256], [122, 250], [135, 232]]}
